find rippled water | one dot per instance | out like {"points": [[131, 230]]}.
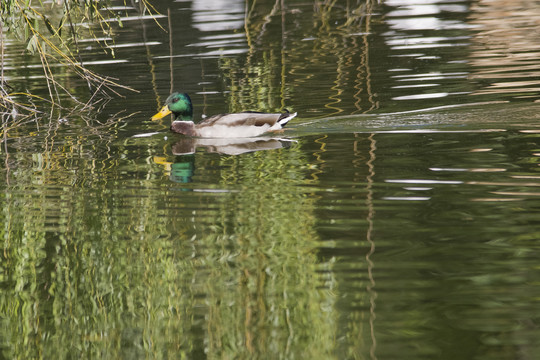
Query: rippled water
{"points": [[397, 217]]}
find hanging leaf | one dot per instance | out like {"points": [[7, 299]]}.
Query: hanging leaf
{"points": [[49, 25], [61, 24], [32, 44]]}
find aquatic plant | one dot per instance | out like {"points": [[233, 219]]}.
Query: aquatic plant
{"points": [[52, 31]]}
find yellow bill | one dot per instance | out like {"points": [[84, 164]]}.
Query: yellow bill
{"points": [[162, 113]]}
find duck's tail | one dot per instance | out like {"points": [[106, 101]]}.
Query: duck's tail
{"points": [[285, 118]]}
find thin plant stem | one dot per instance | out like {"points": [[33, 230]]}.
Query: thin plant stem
{"points": [[170, 49]]}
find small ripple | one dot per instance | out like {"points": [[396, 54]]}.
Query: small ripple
{"points": [[423, 181], [431, 76], [469, 169], [407, 198], [130, 45], [135, 17], [422, 96]]}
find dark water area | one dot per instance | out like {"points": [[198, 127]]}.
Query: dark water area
{"points": [[397, 217]]}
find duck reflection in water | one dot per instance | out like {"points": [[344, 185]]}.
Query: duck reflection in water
{"points": [[229, 146], [183, 169]]}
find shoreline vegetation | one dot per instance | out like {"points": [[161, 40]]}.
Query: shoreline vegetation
{"points": [[52, 31]]}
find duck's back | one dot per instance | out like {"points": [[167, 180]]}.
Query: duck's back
{"points": [[245, 124], [247, 118]]}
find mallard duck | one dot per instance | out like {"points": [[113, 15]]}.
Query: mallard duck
{"points": [[237, 125]]}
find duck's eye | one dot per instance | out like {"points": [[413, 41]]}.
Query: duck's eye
{"points": [[175, 100]]}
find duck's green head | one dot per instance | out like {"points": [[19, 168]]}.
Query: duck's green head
{"points": [[179, 104]]}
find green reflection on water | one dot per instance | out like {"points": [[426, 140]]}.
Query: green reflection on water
{"points": [[331, 248], [137, 268]]}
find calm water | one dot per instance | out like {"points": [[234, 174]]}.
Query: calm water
{"points": [[397, 217]]}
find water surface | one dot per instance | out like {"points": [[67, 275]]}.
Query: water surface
{"points": [[397, 217]]}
